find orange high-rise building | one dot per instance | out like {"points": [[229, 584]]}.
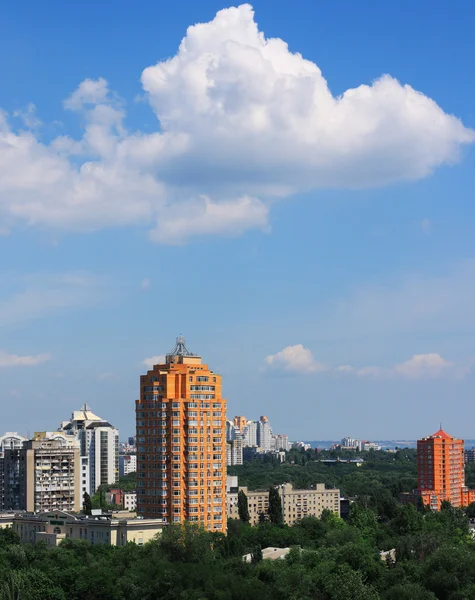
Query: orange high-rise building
{"points": [[441, 472], [181, 442]]}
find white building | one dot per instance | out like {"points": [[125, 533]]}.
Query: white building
{"points": [[130, 501], [281, 442], [348, 443], [99, 447], [371, 446], [264, 435], [127, 463], [249, 432]]}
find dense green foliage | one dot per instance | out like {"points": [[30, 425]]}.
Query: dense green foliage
{"points": [[330, 560]]}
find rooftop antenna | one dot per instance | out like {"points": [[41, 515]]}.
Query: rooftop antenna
{"points": [[180, 349]]}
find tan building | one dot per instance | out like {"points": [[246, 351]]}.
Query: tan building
{"points": [[257, 500], [296, 504], [181, 442], [50, 473], [55, 526]]}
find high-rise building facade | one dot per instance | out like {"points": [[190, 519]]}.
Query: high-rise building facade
{"points": [[99, 446], [181, 442], [264, 435], [440, 472], [49, 473], [234, 454], [10, 445]]}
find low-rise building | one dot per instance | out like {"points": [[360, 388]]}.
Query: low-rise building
{"points": [[54, 526], [296, 504]]}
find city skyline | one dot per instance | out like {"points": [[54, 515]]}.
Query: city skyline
{"points": [[304, 220]]}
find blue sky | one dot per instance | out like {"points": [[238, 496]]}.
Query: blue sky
{"points": [[311, 238]]}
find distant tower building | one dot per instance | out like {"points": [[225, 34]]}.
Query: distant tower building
{"points": [[99, 448], [250, 433], [281, 442], [181, 442], [264, 435], [440, 472], [10, 445], [234, 453], [240, 422]]}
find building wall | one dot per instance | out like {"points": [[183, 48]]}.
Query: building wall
{"points": [[440, 465], [234, 453], [50, 475], [53, 527], [296, 504], [127, 464], [181, 444]]}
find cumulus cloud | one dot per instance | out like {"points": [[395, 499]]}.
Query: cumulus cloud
{"points": [[154, 360], [296, 359], [14, 360], [299, 359], [241, 121], [423, 365]]}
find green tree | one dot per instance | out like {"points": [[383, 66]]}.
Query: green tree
{"points": [[256, 555], [243, 507], [275, 507], [87, 504]]}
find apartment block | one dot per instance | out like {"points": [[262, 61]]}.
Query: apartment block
{"points": [[127, 463], [99, 448], [181, 442], [440, 472], [234, 453], [296, 504], [49, 474]]}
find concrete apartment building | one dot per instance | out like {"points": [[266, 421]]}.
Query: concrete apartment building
{"points": [[54, 526], [99, 448], [296, 504], [234, 452], [181, 442], [127, 463], [49, 474]]}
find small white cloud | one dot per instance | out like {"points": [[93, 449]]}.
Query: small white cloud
{"points": [[424, 366], [295, 359], [299, 359], [426, 226], [28, 116], [14, 360], [145, 284], [202, 216], [89, 92], [154, 360]]}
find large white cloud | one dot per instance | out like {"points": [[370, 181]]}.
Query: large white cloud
{"points": [[242, 120]]}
